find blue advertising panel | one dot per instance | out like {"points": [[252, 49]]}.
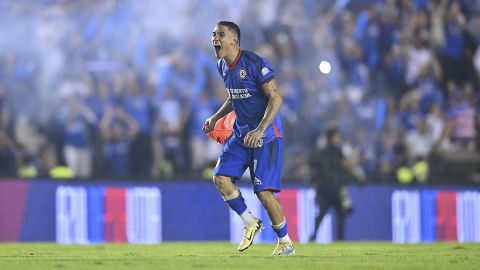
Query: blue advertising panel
{"points": [[95, 208], [39, 216], [370, 219], [152, 212]]}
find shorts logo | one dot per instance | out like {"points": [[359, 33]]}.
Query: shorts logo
{"points": [[242, 73], [257, 182], [265, 71]]}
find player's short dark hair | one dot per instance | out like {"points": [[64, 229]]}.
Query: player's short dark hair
{"points": [[231, 25]]}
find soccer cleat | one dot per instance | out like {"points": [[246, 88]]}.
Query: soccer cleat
{"points": [[249, 234], [284, 249]]}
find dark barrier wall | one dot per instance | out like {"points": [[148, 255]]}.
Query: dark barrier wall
{"points": [[153, 212]]}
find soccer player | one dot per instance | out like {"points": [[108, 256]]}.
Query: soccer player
{"points": [[256, 142]]}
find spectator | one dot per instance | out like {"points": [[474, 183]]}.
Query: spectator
{"points": [[118, 129], [201, 145], [5, 115], [462, 117], [171, 121], [451, 52], [419, 142], [28, 136], [138, 105], [8, 156], [77, 120], [435, 122]]}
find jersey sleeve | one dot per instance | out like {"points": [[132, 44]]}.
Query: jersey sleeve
{"points": [[263, 71]]}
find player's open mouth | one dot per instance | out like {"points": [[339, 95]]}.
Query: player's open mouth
{"points": [[217, 48]]}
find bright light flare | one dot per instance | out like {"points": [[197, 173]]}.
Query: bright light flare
{"points": [[325, 67]]}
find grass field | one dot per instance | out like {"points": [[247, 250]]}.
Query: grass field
{"points": [[369, 255]]}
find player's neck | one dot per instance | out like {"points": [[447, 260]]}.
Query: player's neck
{"points": [[231, 57]]}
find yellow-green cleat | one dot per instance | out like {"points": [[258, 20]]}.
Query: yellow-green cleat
{"points": [[284, 249], [249, 234]]}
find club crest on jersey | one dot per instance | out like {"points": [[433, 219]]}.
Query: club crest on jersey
{"points": [[242, 73], [265, 71]]}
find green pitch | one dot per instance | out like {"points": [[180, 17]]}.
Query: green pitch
{"points": [[370, 255]]}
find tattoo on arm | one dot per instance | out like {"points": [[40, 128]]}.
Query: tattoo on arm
{"points": [[274, 102], [270, 88]]}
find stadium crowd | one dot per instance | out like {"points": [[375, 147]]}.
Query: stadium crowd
{"points": [[121, 88]]}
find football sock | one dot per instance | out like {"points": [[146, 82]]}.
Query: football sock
{"points": [[285, 239], [237, 203], [282, 231], [248, 218]]}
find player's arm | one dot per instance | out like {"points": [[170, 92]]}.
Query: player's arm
{"points": [[212, 120], [275, 101]]}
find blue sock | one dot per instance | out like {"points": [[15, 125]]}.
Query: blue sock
{"points": [[282, 229], [237, 204]]}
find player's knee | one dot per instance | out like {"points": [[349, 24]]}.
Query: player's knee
{"points": [[220, 180], [226, 187]]}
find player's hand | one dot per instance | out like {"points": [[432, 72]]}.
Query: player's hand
{"points": [[209, 124], [254, 138]]}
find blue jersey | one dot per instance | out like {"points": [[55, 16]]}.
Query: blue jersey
{"points": [[244, 80]]}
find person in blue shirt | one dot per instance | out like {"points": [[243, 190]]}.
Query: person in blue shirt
{"points": [[257, 137], [118, 129], [77, 120]]}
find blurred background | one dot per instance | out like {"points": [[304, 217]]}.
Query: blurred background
{"points": [[120, 89], [113, 94]]}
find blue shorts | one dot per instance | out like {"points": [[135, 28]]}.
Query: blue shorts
{"points": [[265, 163]]}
